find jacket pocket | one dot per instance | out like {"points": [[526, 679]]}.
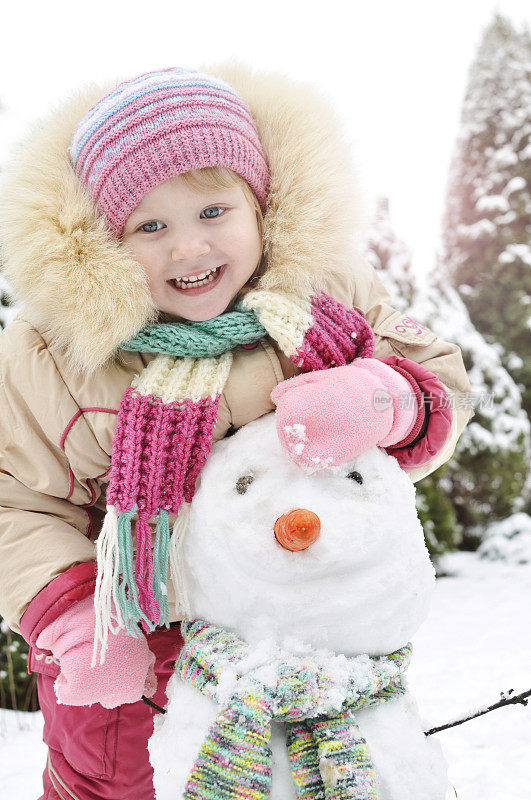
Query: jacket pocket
{"points": [[85, 735]]}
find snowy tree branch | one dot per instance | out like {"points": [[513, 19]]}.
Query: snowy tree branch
{"points": [[506, 700]]}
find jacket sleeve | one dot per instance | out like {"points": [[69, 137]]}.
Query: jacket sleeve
{"points": [[435, 365], [45, 526]]}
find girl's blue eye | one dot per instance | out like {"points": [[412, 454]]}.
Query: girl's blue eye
{"points": [[150, 230], [212, 212]]}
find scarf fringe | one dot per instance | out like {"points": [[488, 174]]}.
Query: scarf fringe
{"points": [[106, 581], [116, 597], [123, 600], [144, 572], [180, 529], [160, 567]]}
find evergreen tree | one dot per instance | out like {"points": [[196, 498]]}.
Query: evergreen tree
{"points": [[485, 479], [17, 688], [391, 257], [488, 207], [436, 511]]}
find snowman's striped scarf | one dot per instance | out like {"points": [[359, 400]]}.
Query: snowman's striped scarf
{"points": [[316, 696], [164, 435]]}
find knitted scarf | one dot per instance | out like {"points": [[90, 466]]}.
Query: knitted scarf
{"points": [[164, 433], [315, 696]]}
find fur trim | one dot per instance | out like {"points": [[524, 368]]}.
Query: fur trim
{"points": [[78, 282], [58, 256]]}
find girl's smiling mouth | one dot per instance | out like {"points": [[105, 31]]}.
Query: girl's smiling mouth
{"points": [[200, 283]]}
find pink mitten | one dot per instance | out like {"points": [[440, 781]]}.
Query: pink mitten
{"points": [[128, 671], [327, 417]]}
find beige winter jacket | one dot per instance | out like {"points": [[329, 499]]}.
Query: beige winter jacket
{"points": [[62, 374]]}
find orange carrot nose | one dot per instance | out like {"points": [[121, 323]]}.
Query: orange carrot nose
{"points": [[297, 529]]}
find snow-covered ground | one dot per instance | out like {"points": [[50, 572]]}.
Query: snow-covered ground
{"points": [[22, 755], [476, 643]]}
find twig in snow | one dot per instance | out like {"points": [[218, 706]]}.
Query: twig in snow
{"points": [[150, 703], [506, 700]]}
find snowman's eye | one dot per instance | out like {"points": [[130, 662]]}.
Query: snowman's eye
{"points": [[355, 476], [243, 482]]}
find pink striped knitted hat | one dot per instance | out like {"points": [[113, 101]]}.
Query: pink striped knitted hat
{"points": [[158, 125]]}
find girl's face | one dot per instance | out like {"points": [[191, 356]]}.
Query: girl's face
{"points": [[198, 246]]}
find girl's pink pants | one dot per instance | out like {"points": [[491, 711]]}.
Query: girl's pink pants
{"points": [[96, 753]]}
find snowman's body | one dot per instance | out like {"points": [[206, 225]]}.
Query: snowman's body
{"points": [[362, 588]]}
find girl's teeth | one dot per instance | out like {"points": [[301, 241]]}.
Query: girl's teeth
{"points": [[196, 280]]}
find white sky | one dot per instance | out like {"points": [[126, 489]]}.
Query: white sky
{"points": [[396, 70]]}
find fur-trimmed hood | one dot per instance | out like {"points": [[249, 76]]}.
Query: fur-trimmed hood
{"points": [[79, 283]]}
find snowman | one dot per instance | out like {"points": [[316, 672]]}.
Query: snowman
{"points": [[305, 590]]}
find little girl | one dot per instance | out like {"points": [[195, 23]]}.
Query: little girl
{"points": [[180, 246]]}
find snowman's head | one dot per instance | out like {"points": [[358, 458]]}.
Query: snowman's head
{"points": [[361, 584]]}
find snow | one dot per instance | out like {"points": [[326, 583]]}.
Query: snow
{"points": [[22, 755], [491, 203], [508, 540], [517, 183], [493, 391], [475, 645], [483, 228], [514, 252], [505, 157], [514, 361], [296, 437], [477, 616]]}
